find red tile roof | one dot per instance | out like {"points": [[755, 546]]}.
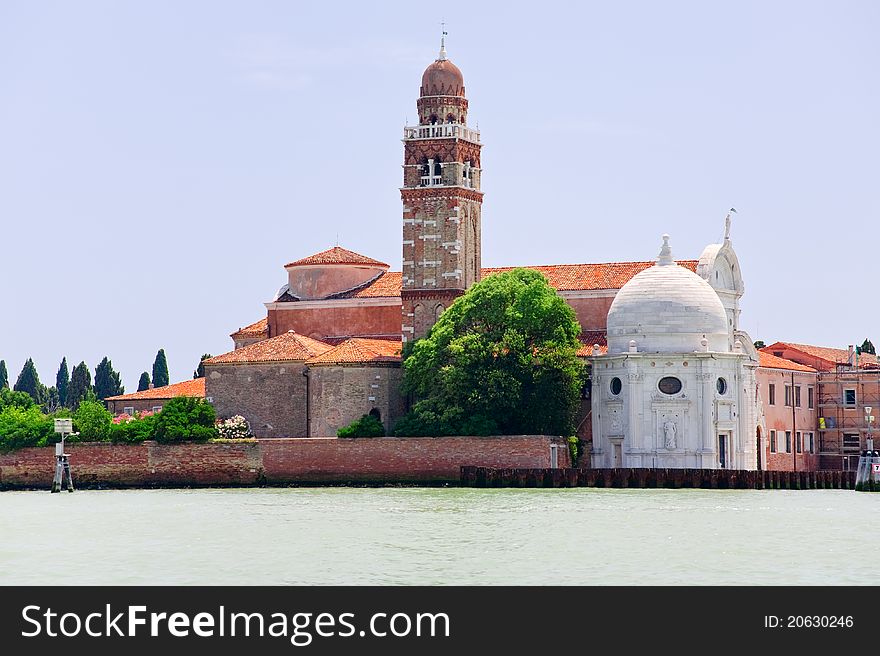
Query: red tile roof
{"points": [[360, 350], [287, 347], [829, 355], [257, 329], [770, 361], [336, 255], [195, 387], [588, 339], [386, 285]]}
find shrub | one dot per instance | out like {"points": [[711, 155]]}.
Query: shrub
{"points": [[185, 419], [426, 420], [366, 426], [92, 420], [574, 449], [234, 428], [8, 399], [20, 427], [133, 430]]}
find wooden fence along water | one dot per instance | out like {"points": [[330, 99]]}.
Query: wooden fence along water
{"points": [[713, 479]]}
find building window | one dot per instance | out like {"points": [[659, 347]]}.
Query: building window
{"points": [[157, 408], [797, 396], [788, 396], [669, 385], [129, 411], [616, 386], [772, 394], [851, 442], [788, 441], [772, 441], [812, 443], [798, 444], [849, 398], [721, 386], [811, 401]]}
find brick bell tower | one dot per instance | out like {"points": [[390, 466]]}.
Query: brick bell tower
{"points": [[441, 200]]}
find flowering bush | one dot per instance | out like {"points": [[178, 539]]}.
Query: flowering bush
{"points": [[234, 428]]}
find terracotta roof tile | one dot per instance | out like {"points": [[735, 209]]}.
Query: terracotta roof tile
{"points": [[336, 255], [386, 285], [588, 339], [770, 361], [195, 387], [257, 329], [287, 347], [360, 350], [830, 355]]}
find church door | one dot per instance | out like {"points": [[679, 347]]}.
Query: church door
{"points": [[722, 451], [617, 455]]}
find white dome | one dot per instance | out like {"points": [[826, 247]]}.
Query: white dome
{"points": [[667, 309]]}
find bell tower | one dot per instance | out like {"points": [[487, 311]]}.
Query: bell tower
{"points": [[441, 198]]}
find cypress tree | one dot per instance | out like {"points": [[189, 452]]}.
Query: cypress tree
{"points": [[62, 382], [29, 382], [200, 370], [144, 382], [868, 347], [4, 375], [80, 385], [160, 370], [107, 381]]}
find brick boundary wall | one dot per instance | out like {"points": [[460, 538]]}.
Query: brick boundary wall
{"points": [[279, 461]]}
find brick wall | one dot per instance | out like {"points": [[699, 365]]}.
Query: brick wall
{"points": [[272, 397], [335, 321], [778, 420], [139, 405], [280, 461]]}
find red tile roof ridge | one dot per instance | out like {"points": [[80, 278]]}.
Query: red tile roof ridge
{"points": [[335, 255], [256, 329], [770, 361], [360, 350], [194, 387], [286, 347]]}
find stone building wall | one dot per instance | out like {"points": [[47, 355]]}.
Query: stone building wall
{"points": [[778, 420], [271, 396], [340, 394]]}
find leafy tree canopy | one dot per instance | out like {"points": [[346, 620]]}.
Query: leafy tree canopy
{"points": [[144, 382], [107, 380], [10, 399], [366, 426], [867, 347], [185, 419], [62, 382], [4, 375], [501, 359], [760, 344], [80, 385], [160, 369], [29, 382]]}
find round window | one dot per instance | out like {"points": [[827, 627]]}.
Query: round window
{"points": [[669, 385], [721, 385], [616, 386]]}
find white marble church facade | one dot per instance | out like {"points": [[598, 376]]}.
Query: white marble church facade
{"points": [[677, 386]]}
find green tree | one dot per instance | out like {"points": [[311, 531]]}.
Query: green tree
{"points": [[760, 344], [185, 419], [52, 402], [80, 385], [10, 399], [92, 421], [502, 358], [366, 426], [144, 382], [868, 347], [200, 370], [160, 369], [62, 382], [4, 375], [107, 381], [29, 382]]}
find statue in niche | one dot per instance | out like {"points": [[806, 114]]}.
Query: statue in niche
{"points": [[669, 432]]}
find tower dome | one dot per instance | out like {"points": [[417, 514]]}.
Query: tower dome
{"points": [[667, 309], [442, 78]]}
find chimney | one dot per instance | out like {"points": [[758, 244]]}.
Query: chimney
{"points": [[851, 361]]}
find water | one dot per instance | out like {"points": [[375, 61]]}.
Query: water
{"points": [[438, 536]]}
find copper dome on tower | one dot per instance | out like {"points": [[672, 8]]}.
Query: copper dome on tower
{"points": [[442, 78]]}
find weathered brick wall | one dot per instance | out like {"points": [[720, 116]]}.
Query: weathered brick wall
{"points": [[365, 318], [272, 397], [340, 394], [280, 461]]}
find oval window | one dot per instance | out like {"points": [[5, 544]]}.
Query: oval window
{"points": [[721, 385], [669, 385], [616, 386]]}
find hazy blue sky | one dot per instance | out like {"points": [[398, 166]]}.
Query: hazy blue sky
{"points": [[161, 161]]}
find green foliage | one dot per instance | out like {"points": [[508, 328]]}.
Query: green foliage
{"points": [[92, 420], [11, 399], [80, 385], [134, 431], [144, 382], [62, 382], [160, 369], [200, 370], [4, 375], [107, 381], [29, 382], [868, 347], [760, 344], [185, 419], [501, 359], [366, 426], [52, 402], [22, 427], [574, 449]]}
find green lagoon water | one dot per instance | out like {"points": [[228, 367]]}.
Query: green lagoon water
{"points": [[441, 536]]}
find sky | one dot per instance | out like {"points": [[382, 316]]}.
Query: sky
{"points": [[161, 161]]}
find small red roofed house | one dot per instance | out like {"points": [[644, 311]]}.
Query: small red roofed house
{"points": [[153, 399]]}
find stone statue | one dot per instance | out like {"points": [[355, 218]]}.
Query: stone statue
{"points": [[669, 431]]}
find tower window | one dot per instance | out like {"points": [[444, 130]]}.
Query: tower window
{"points": [[433, 119]]}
